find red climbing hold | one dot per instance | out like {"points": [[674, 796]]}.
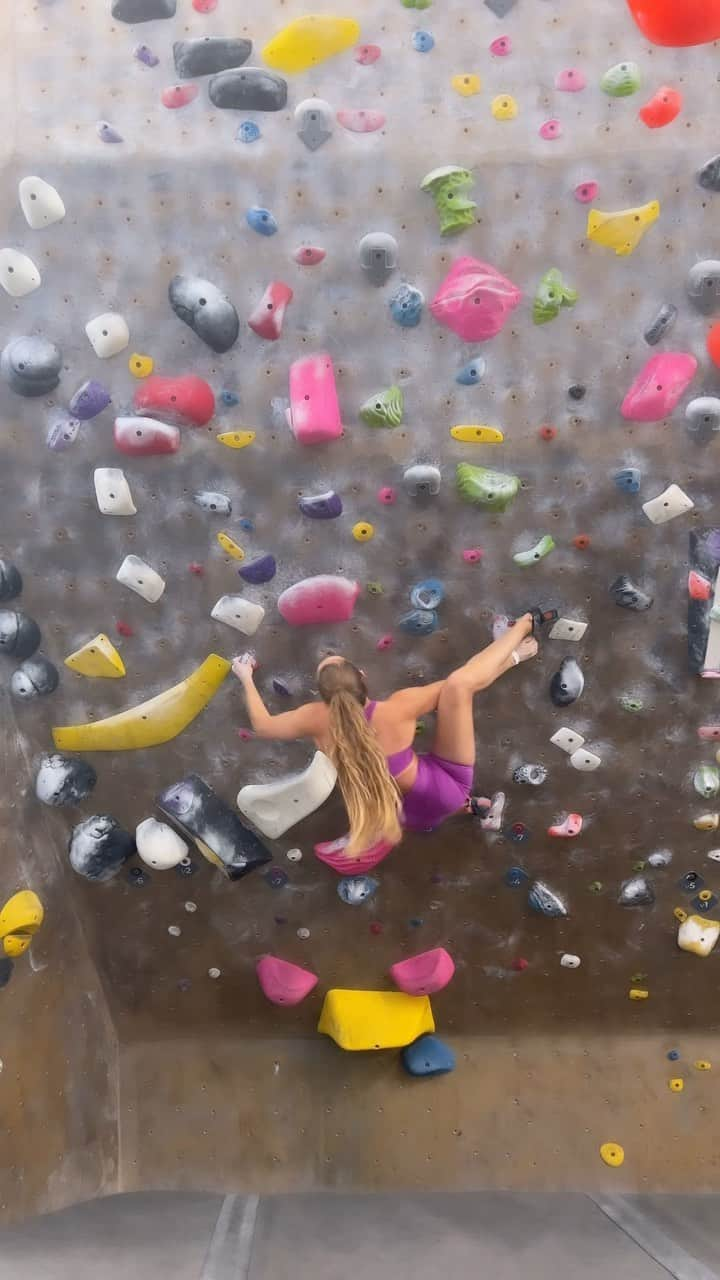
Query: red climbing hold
{"points": [[186, 401], [387, 495], [358, 121], [245, 735], [179, 95], [384, 643], [472, 555], [308, 255], [520, 964], [699, 588], [582, 541], [677, 23], [196, 568], [547, 433], [124, 629], [662, 108], [586, 192], [204, 6], [376, 928], [267, 318], [366, 54], [282, 982], [713, 344]]}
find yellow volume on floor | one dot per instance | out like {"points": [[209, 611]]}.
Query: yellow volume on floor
{"points": [[374, 1019]]}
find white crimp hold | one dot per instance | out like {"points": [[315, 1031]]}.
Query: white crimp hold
{"points": [[113, 492], [568, 629], [274, 807], [40, 202], [237, 612], [569, 961], [138, 576], [668, 505], [567, 740], [108, 334], [18, 273], [585, 760]]}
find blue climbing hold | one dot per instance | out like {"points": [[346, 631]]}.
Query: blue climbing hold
{"points": [[248, 131], [260, 570], [423, 41], [471, 373], [427, 594], [357, 889], [246, 524], [281, 687], [515, 876], [406, 306], [419, 622], [674, 1055], [144, 53], [428, 1056], [229, 399], [261, 220], [628, 480]]}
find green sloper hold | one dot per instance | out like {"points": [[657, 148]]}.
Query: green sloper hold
{"points": [[552, 293], [488, 488], [538, 552], [621, 80], [384, 409], [446, 186], [416, 4]]}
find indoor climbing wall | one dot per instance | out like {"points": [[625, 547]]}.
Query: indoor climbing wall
{"points": [[419, 307]]}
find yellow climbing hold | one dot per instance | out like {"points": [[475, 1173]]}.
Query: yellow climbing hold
{"points": [[230, 545], [20, 918], [680, 915], [236, 439], [698, 935], [622, 231], [477, 435], [612, 1153], [705, 895], [466, 86], [310, 40], [362, 531], [150, 723], [140, 366], [676, 1085], [374, 1019], [638, 993], [97, 659], [504, 107], [701, 1064]]}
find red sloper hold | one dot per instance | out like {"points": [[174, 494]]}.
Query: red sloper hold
{"points": [[677, 23], [187, 401], [662, 108], [267, 318]]}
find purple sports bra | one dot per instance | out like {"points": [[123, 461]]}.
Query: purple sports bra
{"points": [[400, 760]]}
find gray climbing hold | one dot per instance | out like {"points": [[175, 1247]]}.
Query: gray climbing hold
{"points": [[357, 889], [703, 415], [11, 583], [662, 324], [709, 175], [532, 774], [64, 780], [142, 10], [314, 121], [636, 892], [250, 89], [99, 847], [208, 55], [31, 366], [703, 286], [543, 899], [19, 634], [627, 595], [35, 678], [378, 256], [567, 684], [419, 622], [500, 7], [422, 480], [208, 312], [210, 501]]}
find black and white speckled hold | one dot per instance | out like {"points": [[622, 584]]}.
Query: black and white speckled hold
{"points": [[35, 678], [207, 311], [567, 684], [142, 10], [99, 847], [627, 595], [31, 366], [209, 500], [709, 175], [19, 634], [251, 89], [64, 780], [209, 55], [200, 814], [11, 583]]}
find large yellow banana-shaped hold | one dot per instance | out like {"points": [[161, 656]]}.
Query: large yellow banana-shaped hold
{"points": [[151, 723], [20, 918]]}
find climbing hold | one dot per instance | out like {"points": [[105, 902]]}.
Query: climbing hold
{"points": [[515, 876], [202, 817], [676, 1085], [577, 391], [621, 80], [183, 401], [64, 780], [31, 366], [501, 47], [34, 678], [142, 10], [581, 541], [520, 964], [428, 1056], [466, 85], [551, 294], [322, 599], [545, 900], [662, 108], [247, 132], [89, 400], [448, 187], [473, 555], [262, 569], [230, 546], [586, 192], [571, 80], [139, 577], [99, 848], [669, 504], [384, 643], [423, 41], [709, 176], [19, 634], [471, 373], [360, 121], [207, 55], [123, 629], [422, 480], [663, 22], [474, 300], [569, 961], [357, 889], [549, 131], [239, 613], [274, 807], [108, 133], [690, 882], [567, 740], [585, 761], [660, 858], [206, 310], [204, 6], [406, 306], [424, 974], [627, 595], [659, 386], [500, 7], [11, 583], [108, 334], [623, 230], [703, 416], [378, 253], [570, 826], [628, 480], [322, 506], [697, 935], [97, 659], [636, 892], [538, 552], [248, 89], [428, 594], [142, 437], [367, 54], [144, 54], [333, 854], [707, 822], [703, 286], [477, 435], [314, 120], [547, 433], [158, 845], [384, 409], [419, 622], [629, 702], [504, 107], [20, 919], [282, 982], [306, 42], [532, 774], [661, 325], [210, 501], [362, 531], [358, 1020], [387, 496], [308, 255], [267, 318], [41, 204], [701, 1064], [140, 366], [638, 993], [487, 488], [18, 273], [708, 732], [112, 492], [612, 1153], [314, 414]]}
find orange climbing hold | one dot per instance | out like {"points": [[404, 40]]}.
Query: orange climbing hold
{"points": [[677, 23], [713, 344], [547, 433], [662, 108], [582, 541]]}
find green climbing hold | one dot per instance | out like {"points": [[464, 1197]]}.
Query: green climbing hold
{"points": [[629, 702], [538, 552], [384, 409], [552, 294], [621, 80], [416, 4], [374, 588], [447, 187], [488, 488]]}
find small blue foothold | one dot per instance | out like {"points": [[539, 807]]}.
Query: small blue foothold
{"points": [[144, 53], [261, 220], [419, 622], [246, 524], [106, 133], [248, 131], [514, 876], [674, 1055], [229, 399], [423, 41], [428, 1056], [427, 594], [628, 480], [356, 889], [416, 922], [406, 306], [471, 372]]}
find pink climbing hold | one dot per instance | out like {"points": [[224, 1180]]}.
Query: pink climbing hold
{"points": [[323, 599], [471, 555], [314, 413], [586, 192], [196, 568], [474, 300], [179, 95], [501, 47], [659, 386], [550, 130], [425, 974], [709, 732], [571, 80], [185, 401], [309, 255], [361, 121], [267, 318], [385, 643], [204, 6], [387, 495], [333, 854], [282, 982], [245, 735], [572, 826], [143, 437], [366, 54]]}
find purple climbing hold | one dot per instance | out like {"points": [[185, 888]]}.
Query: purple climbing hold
{"points": [[260, 570], [106, 132], [144, 53], [62, 431], [322, 506], [281, 687], [89, 400]]}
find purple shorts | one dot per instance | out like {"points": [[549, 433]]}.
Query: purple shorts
{"points": [[440, 789]]}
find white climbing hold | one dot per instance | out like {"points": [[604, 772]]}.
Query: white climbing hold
{"points": [[274, 807], [567, 740], [568, 629], [113, 492], [294, 855], [669, 504], [213, 973], [138, 576], [40, 202], [158, 845], [569, 961], [108, 334], [174, 930], [18, 273], [698, 935], [239, 613], [585, 760]]}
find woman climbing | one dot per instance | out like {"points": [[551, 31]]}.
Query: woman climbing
{"points": [[384, 784]]}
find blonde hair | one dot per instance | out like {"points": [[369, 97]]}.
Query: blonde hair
{"points": [[372, 797]]}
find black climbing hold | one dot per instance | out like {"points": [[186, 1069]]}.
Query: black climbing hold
{"points": [[138, 877], [662, 323], [186, 868], [35, 678], [11, 583], [627, 595], [251, 89], [31, 366], [208, 55], [208, 312], [64, 780], [276, 877], [201, 816], [567, 684], [709, 175], [282, 688], [19, 634], [6, 970], [577, 391], [99, 847], [691, 882], [142, 10]]}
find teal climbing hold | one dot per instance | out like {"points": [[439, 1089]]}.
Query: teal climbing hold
{"points": [[487, 488], [384, 409], [428, 1056], [552, 293], [447, 186]]}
